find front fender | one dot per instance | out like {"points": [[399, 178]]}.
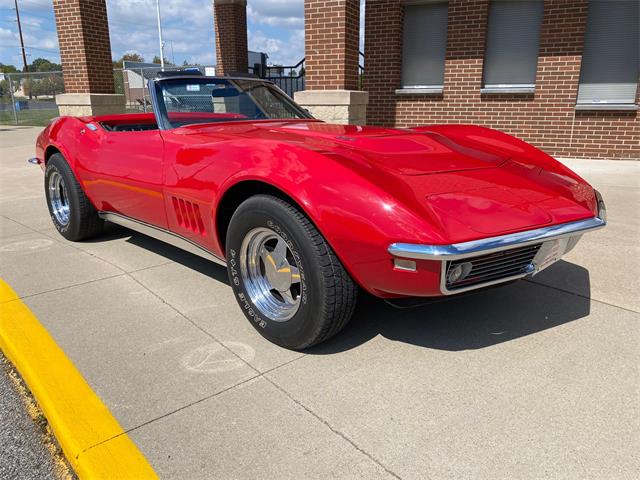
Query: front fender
{"points": [[358, 218], [63, 134]]}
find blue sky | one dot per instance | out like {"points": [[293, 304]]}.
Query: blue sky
{"points": [[275, 27]]}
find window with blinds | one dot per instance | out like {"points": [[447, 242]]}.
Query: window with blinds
{"points": [[513, 37], [425, 44], [609, 73]]}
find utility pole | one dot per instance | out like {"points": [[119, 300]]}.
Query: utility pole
{"points": [[159, 35], [24, 54]]}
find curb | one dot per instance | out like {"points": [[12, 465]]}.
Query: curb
{"points": [[93, 441]]}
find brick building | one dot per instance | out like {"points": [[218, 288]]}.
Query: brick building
{"points": [[85, 51], [561, 74]]}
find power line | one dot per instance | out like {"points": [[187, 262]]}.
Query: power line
{"points": [[28, 47]]}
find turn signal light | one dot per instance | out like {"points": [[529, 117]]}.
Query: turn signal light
{"points": [[404, 264]]}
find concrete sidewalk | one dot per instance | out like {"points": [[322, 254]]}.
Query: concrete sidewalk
{"points": [[537, 379]]}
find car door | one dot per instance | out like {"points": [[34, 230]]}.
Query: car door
{"points": [[190, 185], [124, 175]]}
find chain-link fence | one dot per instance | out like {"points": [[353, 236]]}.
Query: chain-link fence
{"points": [[133, 83], [29, 98]]}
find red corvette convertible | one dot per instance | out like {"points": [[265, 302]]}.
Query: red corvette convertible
{"points": [[303, 212]]}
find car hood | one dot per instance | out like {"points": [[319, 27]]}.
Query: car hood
{"points": [[398, 151], [465, 189]]}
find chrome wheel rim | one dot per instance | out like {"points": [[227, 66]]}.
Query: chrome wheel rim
{"points": [[270, 274], [58, 198]]}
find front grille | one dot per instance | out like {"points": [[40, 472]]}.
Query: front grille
{"points": [[492, 267]]}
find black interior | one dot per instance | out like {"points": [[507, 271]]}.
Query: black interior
{"points": [[129, 127]]}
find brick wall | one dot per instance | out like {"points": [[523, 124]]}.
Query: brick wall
{"points": [[547, 119], [230, 18], [85, 49], [332, 31]]}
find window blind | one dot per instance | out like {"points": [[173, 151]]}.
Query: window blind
{"points": [[609, 73], [513, 37], [425, 44]]}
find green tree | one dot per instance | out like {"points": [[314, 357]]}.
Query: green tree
{"points": [[156, 59], [129, 57], [5, 95], [50, 85], [44, 65], [7, 68]]}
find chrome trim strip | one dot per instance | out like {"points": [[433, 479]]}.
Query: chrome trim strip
{"points": [[493, 244], [161, 234]]}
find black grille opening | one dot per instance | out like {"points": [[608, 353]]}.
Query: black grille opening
{"points": [[493, 266]]}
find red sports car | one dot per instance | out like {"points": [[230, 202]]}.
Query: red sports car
{"points": [[302, 212]]}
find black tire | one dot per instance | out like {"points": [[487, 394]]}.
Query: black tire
{"points": [[327, 292], [83, 221]]}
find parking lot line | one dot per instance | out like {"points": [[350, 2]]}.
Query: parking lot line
{"points": [[91, 438]]}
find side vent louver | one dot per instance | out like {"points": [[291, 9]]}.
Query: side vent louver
{"points": [[188, 215]]}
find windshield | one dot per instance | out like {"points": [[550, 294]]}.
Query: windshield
{"points": [[185, 101]]}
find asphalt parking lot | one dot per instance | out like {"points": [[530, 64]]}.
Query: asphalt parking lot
{"points": [[538, 379], [27, 450]]}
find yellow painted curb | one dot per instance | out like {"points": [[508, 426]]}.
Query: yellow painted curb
{"points": [[91, 438]]}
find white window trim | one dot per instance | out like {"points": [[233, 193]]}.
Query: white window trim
{"points": [[607, 106], [420, 90], [422, 2], [509, 88]]}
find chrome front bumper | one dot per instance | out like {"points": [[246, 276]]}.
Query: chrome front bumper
{"points": [[554, 242]]}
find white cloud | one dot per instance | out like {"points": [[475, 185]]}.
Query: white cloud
{"points": [[187, 26], [143, 12], [27, 5], [275, 27], [7, 35], [281, 52], [207, 58], [277, 8], [31, 21], [276, 13]]}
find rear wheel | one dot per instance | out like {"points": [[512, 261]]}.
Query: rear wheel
{"points": [[72, 213], [286, 278]]}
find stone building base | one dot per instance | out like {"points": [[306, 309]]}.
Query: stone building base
{"points": [[335, 106], [83, 104]]}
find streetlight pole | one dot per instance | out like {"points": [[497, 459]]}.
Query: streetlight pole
{"points": [[160, 42]]}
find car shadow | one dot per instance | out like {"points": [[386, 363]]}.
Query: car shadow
{"points": [[467, 322], [175, 254], [473, 321]]}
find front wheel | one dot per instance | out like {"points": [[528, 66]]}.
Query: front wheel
{"points": [[72, 213], [286, 278]]}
